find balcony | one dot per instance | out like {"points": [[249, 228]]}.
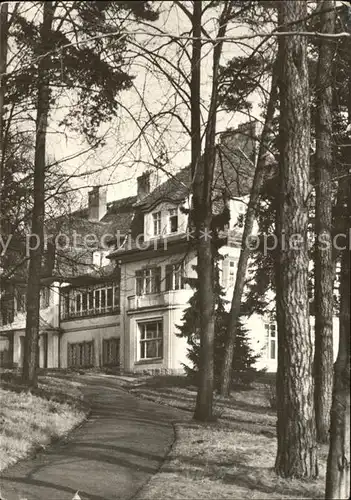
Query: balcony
{"points": [[89, 312], [162, 300]]}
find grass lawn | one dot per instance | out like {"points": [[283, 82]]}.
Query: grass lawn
{"points": [[232, 458], [30, 422]]}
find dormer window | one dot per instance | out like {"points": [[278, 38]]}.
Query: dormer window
{"points": [[100, 259], [157, 223], [173, 220]]}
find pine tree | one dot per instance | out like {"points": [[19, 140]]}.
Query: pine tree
{"points": [[243, 370], [55, 60], [296, 432]]}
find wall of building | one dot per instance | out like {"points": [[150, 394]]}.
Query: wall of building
{"points": [[49, 315], [174, 348], [6, 356], [52, 356], [18, 346], [89, 329], [165, 306], [4, 343], [257, 334]]}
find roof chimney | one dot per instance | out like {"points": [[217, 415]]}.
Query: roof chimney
{"points": [[143, 185], [97, 203]]}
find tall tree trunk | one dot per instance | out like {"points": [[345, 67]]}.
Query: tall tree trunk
{"points": [[297, 450], [324, 271], [245, 248], [338, 464], [3, 58], [30, 361], [202, 199], [204, 259], [3, 64]]}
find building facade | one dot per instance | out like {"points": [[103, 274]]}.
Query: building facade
{"points": [[118, 303]]}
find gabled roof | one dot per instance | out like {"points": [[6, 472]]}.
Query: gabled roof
{"points": [[119, 215], [174, 190], [234, 170], [78, 259]]}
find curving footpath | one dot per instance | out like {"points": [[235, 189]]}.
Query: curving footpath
{"points": [[111, 456]]}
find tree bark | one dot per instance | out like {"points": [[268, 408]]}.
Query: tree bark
{"points": [[324, 270], [202, 204], [3, 64], [338, 464], [245, 248], [30, 361], [203, 410], [3, 58], [297, 450]]}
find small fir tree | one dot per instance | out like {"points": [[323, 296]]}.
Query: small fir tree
{"points": [[243, 370]]}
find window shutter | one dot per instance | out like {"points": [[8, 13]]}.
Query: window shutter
{"points": [[118, 351], [69, 355], [75, 354]]}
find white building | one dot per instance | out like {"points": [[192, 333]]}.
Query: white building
{"points": [[123, 310]]}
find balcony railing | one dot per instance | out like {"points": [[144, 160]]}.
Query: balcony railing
{"points": [[162, 299], [89, 312]]}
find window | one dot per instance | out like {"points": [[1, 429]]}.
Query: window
{"points": [[81, 354], [21, 301], [139, 282], [116, 296], [78, 302], [109, 297], [100, 259], [96, 259], [7, 309], [91, 300], [231, 273], [271, 336], [157, 223], [174, 276], [148, 280], [97, 299], [103, 299], [173, 220], [84, 301], [151, 340], [66, 303], [45, 297], [241, 208], [110, 351]]}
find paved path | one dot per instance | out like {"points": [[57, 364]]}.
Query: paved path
{"points": [[122, 444]]}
